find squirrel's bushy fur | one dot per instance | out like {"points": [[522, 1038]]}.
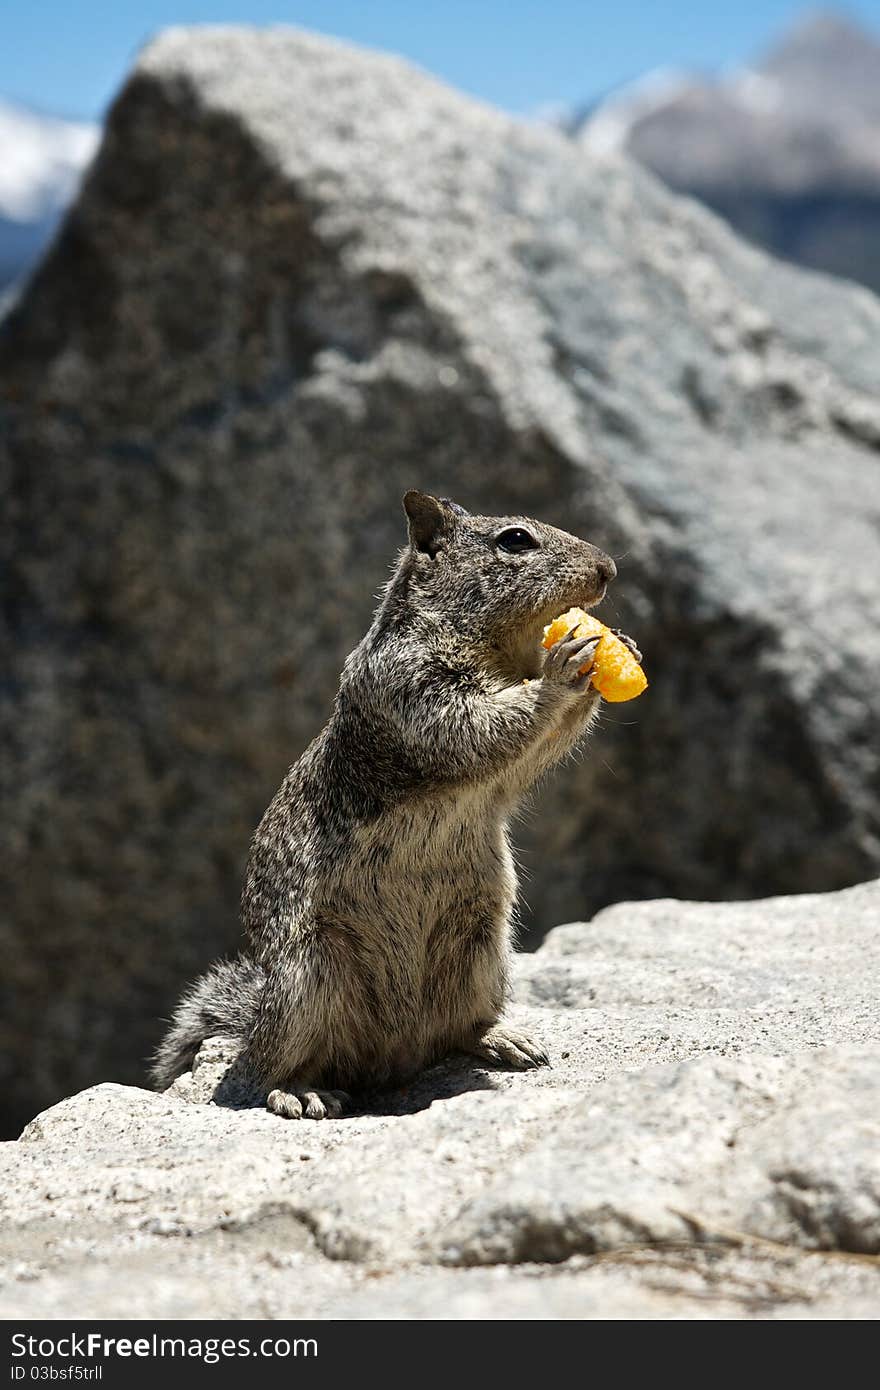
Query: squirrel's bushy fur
{"points": [[380, 888]]}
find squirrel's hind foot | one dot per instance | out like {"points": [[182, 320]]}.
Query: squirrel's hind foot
{"points": [[298, 1104], [508, 1047]]}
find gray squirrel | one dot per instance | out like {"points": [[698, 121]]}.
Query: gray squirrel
{"points": [[380, 889]]}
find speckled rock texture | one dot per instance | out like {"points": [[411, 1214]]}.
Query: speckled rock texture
{"points": [[299, 279], [706, 1145]]}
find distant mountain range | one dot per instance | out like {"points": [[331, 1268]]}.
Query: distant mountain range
{"points": [[787, 150], [41, 162]]}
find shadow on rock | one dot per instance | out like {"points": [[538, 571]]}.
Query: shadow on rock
{"points": [[220, 1076]]}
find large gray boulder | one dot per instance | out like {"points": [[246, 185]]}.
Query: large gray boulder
{"points": [[707, 1144], [299, 279]]}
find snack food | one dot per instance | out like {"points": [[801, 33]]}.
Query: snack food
{"points": [[616, 674]]}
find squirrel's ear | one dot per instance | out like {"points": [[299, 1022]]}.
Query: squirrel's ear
{"points": [[428, 521]]}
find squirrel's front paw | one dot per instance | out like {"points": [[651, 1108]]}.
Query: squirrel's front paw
{"points": [[297, 1103], [569, 661], [508, 1047]]}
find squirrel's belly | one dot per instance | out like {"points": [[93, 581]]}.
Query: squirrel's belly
{"points": [[437, 852], [414, 949], [410, 992]]}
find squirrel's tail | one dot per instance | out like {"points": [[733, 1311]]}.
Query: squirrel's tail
{"points": [[223, 1001]]}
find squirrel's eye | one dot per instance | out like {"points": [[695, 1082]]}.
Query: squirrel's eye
{"points": [[516, 539]]}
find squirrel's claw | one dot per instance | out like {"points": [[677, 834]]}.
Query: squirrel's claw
{"points": [[297, 1104], [566, 659], [508, 1047], [628, 642]]}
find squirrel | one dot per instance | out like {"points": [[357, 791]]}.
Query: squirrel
{"points": [[380, 891]]}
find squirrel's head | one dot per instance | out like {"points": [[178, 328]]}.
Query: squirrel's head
{"points": [[499, 580]]}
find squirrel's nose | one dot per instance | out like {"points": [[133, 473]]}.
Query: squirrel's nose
{"points": [[605, 568]]}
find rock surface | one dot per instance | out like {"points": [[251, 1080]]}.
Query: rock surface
{"points": [[299, 279], [707, 1144]]}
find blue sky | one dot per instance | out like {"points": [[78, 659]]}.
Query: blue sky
{"points": [[69, 56]]}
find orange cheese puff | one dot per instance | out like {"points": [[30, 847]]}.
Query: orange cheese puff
{"points": [[616, 674]]}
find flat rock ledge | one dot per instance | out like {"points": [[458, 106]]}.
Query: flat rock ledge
{"points": [[706, 1145]]}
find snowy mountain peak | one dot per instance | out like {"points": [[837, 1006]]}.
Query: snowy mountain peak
{"points": [[609, 127], [828, 67], [787, 147], [41, 161]]}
